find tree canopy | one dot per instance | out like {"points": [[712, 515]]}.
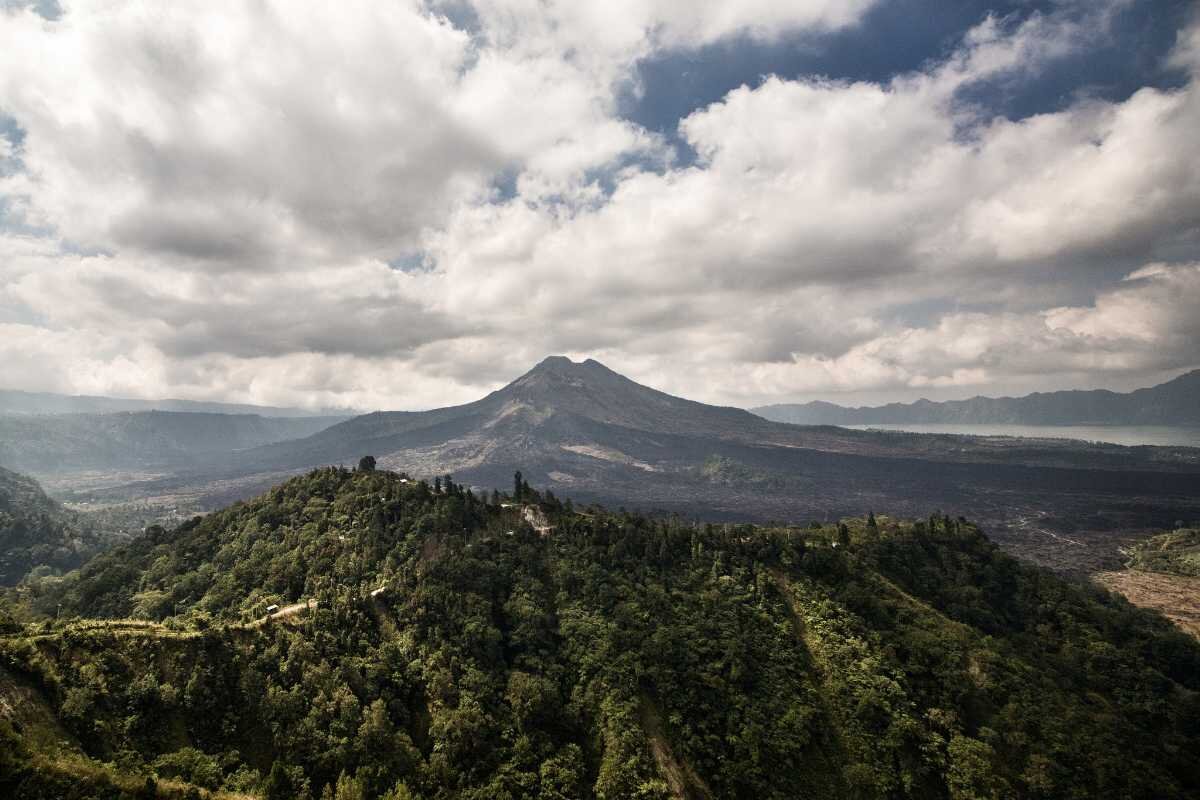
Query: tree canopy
{"points": [[453, 651]]}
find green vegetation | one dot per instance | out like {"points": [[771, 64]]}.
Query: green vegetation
{"points": [[37, 532], [1176, 552], [615, 656], [729, 472]]}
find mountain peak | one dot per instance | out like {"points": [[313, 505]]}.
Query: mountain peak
{"points": [[555, 375], [589, 389], [563, 364], [561, 371], [553, 362]]}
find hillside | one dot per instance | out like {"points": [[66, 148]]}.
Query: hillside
{"points": [[1176, 552], [36, 531], [1163, 573], [51, 444], [452, 651], [1176, 402]]}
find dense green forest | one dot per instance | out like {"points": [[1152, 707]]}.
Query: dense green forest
{"points": [[512, 646], [35, 531], [1175, 552]]}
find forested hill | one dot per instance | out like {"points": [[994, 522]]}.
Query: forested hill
{"points": [[37, 531], [1176, 402], [462, 647]]}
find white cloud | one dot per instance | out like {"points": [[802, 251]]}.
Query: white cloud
{"points": [[609, 35], [1147, 324], [237, 179]]}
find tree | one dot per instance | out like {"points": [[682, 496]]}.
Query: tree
{"points": [[349, 788], [279, 783], [399, 792], [518, 485], [366, 464]]}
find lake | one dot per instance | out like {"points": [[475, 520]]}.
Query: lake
{"points": [[1169, 435]]}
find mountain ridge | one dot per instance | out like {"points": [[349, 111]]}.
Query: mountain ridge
{"points": [[1174, 402], [54, 443], [16, 401]]}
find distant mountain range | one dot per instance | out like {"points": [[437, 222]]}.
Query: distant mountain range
{"points": [[17, 402], [1176, 402], [60, 443]]}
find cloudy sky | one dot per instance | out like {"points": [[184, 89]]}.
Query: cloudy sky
{"points": [[405, 204]]}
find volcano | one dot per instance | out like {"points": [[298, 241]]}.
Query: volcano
{"points": [[586, 432], [558, 422]]}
